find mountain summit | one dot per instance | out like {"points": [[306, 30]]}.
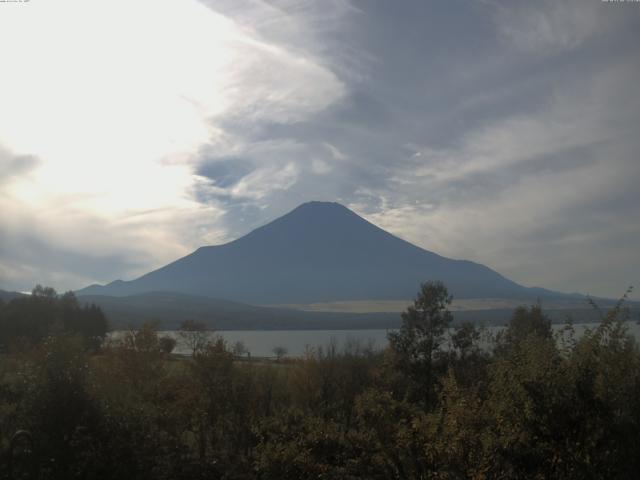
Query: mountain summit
{"points": [[318, 252]]}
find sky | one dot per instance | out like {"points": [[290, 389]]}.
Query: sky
{"points": [[507, 133]]}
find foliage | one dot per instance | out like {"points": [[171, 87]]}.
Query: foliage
{"points": [[239, 349], [30, 319], [435, 404], [415, 350], [167, 344], [279, 352], [194, 335]]}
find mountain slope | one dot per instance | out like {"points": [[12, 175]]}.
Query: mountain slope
{"points": [[316, 253]]}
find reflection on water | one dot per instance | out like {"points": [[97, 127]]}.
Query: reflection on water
{"points": [[260, 343]]}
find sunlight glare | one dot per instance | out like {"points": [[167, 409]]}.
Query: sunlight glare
{"points": [[113, 102]]}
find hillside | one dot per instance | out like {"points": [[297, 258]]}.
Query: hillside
{"points": [[6, 296]]}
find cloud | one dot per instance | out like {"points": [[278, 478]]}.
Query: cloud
{"points": [[502, 133], [107, 127], [224, 172], [12, 165], [549, 26], [565, 123], [548, 191]]}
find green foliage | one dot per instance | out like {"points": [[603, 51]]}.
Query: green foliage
{"points": [[415, 350], [423, 325], [524, 323], [564, 413]]}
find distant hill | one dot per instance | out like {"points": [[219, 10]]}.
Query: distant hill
{"points": [[319, 252], [6, 296]]}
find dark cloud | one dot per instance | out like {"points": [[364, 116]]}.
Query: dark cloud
{"points": [[224, 172], [361, 108], [451, 107]]}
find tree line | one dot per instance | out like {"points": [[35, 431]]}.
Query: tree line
{"points": [[433, 404], [30, 319]]}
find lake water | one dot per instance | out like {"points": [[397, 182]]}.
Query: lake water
{"points": [[262, 342]]}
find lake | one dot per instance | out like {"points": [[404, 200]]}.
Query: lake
{"points": [[262, 342]]}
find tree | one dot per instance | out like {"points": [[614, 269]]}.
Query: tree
{"points": [[279, 351], [194, 334], [415, 346], [88, 321], [465, 338], [525, 322], [44, 292], [239, 348], [144, 340], [31, 319], [61, 411], [167, 344], [213, 369]]}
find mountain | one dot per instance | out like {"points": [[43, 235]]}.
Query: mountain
{"points": [[319, 252], [6, 296]]}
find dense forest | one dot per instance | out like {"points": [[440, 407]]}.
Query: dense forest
{"points": [[433, 404]]}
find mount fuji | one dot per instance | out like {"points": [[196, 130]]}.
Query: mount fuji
{"points": [[319, 252]]}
